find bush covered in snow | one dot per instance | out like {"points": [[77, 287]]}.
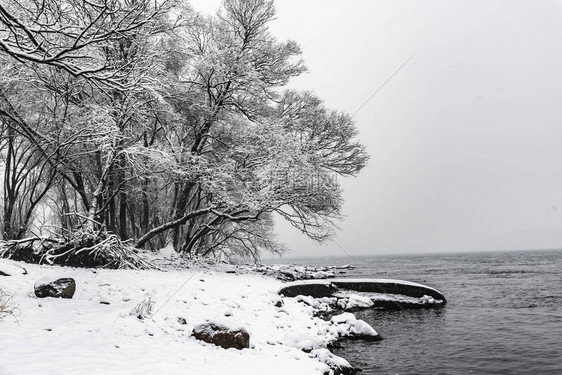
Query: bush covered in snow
{"points": [[143, 309]]}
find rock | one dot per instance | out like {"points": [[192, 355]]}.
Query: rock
{"points": [[317, 303], [420, 294], [347, 266], [355, 302], [343, 318], [347, 325], [57, 288], [389, 286], [427, 300], [322, 275], [338, 365], [306, 346], [316, 290], [293, 273], [362, 330], [288, 275], [222, 336], [279, 303], [345, 370]]}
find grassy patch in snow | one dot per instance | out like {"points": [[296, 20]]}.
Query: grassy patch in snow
{"points": [[7, 305]]}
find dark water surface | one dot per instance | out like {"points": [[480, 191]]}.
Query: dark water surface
{"points": [[504, 315]]}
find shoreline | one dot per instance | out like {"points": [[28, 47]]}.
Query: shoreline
{"points": [[94, 332], [296, 331]]}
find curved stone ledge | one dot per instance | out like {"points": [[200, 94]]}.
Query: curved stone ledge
{"points": [[327, 288], [317, 289]]}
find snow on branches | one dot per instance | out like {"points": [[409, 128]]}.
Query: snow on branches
{"points": [[173, 132]]}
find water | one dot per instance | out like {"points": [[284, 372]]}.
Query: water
{"points": [[504, 315]]}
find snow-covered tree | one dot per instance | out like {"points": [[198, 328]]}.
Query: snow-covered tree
{"points": [[165, 129]]}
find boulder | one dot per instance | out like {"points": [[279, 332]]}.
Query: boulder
{"points": [[315, 290], [222, 336], [347, 325], [337, 365], [362, 330], [57, 288], [355, 302]]}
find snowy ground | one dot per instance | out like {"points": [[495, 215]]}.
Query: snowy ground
{"points": [[86, 335]]}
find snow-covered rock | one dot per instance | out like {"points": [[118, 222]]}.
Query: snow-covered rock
{"points": [[55, 287], [316, 290], [222, 335], [342, 287], [347, 267], [362, 329], [292, 273], [343, 318], [428, 300], [355, 301], [347, 325], [317, 303], [322, 274], [306, 345], [338, 365]]}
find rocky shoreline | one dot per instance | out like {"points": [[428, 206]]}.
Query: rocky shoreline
{"points": [[115, 314], [340, 296], [333, 299]]}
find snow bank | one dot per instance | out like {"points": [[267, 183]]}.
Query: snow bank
{"points": [[95, 333]]}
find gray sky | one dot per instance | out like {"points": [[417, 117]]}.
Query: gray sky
{"points": [[465, 141]]}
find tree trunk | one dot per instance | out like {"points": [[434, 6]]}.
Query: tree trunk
{"points": [[123, 215], [93, 221]]}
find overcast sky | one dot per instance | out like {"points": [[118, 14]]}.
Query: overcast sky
{"points": [[465, 141]]}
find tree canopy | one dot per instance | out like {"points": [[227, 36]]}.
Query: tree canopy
{"points": [[158, 125]]}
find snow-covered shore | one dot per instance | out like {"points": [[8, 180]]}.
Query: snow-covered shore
{"points": [[94, 331]]}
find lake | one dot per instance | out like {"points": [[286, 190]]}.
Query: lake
{"points": [[504, 314]]}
